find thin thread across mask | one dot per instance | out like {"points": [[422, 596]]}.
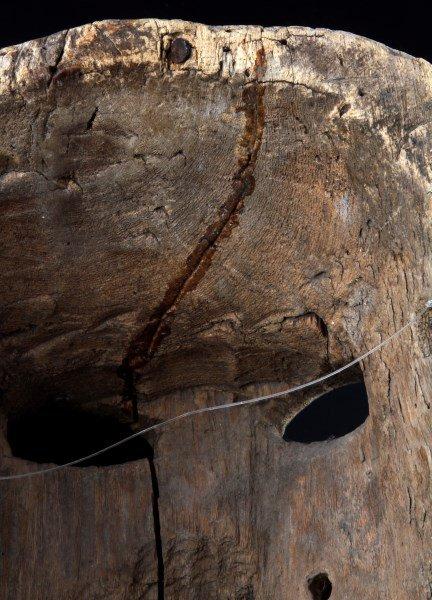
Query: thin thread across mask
{"points": [[228, 405]]}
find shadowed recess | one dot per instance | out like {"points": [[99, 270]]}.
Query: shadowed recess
{"points": [[320, 586], [58, 434], [330, 416]]}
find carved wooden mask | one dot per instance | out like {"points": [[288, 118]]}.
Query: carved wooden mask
{"points": [[190, 216]]}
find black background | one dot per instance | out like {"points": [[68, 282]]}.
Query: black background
{"points": [[404, 26]]}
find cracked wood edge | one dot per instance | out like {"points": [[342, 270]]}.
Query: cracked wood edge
{"points": [[218, 52]]}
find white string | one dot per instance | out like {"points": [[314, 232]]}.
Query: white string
{"points": [[206, 409]]}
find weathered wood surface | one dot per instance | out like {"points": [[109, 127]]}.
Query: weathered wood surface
{"points": [[176, 234]]}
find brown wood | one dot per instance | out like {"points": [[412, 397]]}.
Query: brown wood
{"points": [[187, 223]]}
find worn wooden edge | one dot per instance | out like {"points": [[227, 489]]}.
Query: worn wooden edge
{"points": [[222, 52]]}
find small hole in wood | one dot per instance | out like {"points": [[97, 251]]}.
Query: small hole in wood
{"points": [[59, 434], [320, 586], [330, 416]]}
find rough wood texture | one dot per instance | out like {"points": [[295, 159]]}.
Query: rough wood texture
{"points": [[176, 234]]}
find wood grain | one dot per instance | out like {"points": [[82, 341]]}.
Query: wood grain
{"points": [[179, 234]]}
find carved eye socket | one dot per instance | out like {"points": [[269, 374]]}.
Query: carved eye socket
{"points": [[332, 415], [59, 434]]}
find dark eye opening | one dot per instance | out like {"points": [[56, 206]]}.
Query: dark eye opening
{"points": [[59, 434], [330, 416]]}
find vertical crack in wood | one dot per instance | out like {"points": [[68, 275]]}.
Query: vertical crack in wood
{"points": [[145, 344], [157, 529], [53, 69]]}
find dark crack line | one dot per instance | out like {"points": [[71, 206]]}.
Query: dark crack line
{"points": [[157, 530], [145, 344], [93, 116], [53, 69]]}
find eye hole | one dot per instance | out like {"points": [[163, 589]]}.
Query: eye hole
{"points": [[330, 416], [320, 587], [59, 434]]}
